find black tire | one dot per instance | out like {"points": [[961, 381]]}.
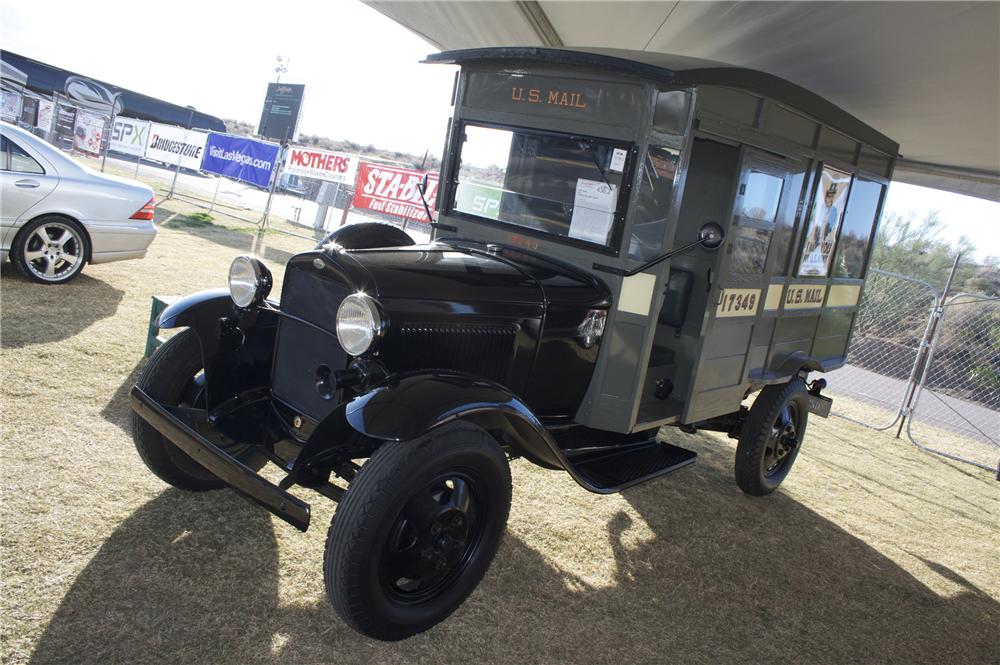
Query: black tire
{"points": [[173, 377], [377, 524], [367, 235], [51, 249], [771, 437]]}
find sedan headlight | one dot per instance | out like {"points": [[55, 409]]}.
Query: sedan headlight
{"points": [[358, 323], [249, 281]]}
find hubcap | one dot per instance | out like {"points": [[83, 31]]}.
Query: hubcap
{"points": [[432, 539], [53, 251], [782, 441]]}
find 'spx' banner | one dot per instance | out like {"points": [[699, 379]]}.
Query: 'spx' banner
{"points": [[240, 158], [170, 144], [321, 164], [392, 190], [129, 136]]}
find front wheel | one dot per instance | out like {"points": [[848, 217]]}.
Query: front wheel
{"points": [[416, 531], [771, 437]]}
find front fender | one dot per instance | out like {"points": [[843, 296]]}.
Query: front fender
{"points": [[409, 405], [237, 346], [198, 308]]}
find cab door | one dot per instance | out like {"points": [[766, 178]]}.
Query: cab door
{"points": [[737, 329]]}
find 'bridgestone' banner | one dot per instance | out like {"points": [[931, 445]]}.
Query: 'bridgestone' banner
{"points": [[240, 158], [392, 190], [321, 164], [130, 136], [170, 144]]}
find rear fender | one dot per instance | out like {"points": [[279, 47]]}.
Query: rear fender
{"points": [[237, 346]]}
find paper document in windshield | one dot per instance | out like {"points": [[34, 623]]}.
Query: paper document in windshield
{"points": [[593, 210]]}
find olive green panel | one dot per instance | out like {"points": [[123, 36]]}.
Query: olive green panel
{"points": [[832, 334], [734, 105], [789, 125]]}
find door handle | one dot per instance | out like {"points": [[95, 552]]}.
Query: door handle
{"points": [[26, 184]]}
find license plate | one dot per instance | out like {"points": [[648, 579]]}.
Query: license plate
{"points": [[820, 405]]}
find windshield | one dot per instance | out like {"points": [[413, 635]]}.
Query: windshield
{"points": [[557, 184]]}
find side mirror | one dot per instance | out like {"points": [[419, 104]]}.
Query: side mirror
{"points": [[710, 235], [422, 187]]}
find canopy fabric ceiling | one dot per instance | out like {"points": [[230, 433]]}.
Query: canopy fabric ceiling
{"points": [[926, 74]]}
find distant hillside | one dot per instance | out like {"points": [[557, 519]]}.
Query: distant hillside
{"points": [[325, 143]]}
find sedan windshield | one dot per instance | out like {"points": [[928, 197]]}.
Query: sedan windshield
{"points": [[558, 184]]}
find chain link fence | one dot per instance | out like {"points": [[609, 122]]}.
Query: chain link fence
{"points": [[929, 362], [956, 406], [889, 332]]}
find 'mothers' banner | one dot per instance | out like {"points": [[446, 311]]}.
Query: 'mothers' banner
{"points": [[172, 144], [392, 190], [240, 158], [321, 164], [129, 136]]}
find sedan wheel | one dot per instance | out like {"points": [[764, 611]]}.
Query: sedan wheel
{"points": [[51, 250]]}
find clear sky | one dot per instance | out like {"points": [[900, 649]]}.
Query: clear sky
{"points": [[361, 70]]}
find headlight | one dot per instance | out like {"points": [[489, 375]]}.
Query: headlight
{"points": [[249, 281], [358, 323]]}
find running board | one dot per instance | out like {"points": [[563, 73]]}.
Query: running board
{"points": [[612, 469]]}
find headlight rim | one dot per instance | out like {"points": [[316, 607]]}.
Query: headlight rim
{"points": [[378, 326], [262, 280]]}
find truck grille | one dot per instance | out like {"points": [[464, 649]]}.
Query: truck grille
{"points": [[485, 350]]}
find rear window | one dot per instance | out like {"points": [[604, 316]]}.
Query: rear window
{"points": [[558, 184], [15, 159]]}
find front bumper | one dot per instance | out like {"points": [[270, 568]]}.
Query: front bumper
{"points": [[231, 471]]}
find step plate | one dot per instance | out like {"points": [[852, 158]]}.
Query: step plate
{"points": [[618, 470]]}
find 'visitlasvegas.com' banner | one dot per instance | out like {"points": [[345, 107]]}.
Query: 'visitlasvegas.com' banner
{"points": [[240, 158]]}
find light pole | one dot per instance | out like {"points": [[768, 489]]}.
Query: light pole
{"points": [[178, 168]]}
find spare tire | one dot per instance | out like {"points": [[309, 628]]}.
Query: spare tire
{"points": [[367, 235]]}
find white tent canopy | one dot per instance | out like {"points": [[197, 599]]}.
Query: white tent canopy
{"points": [[926, 74]]}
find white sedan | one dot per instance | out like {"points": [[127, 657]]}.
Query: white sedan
{"points": [[57, 214]]}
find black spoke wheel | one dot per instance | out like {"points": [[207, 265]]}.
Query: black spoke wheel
{"points": [[416, 531], [771, 437]]}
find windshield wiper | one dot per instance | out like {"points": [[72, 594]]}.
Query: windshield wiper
{"points": [[588, 145]]}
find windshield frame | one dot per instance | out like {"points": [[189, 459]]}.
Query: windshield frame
{"points": [[613, 245]]}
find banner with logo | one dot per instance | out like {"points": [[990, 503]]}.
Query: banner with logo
{"points": [[29, 111], [65, 121], [393, 190], [11, 108], [46, 110], [240, 158], [170, 145], [88, 132], [129, 136], [322, 164]]}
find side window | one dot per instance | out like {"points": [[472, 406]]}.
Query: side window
{"points": [[652, 202], [20, 161], [824, 222], [753, 223], [856, 231]]}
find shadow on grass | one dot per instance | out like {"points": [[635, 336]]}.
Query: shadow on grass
{"points": [[722, 578], [117, 411], [39, 313]]}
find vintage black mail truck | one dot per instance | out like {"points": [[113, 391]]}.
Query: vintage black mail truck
{"points": [[625, 241]]}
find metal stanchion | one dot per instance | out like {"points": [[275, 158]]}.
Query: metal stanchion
{"points": [[218, 182], [115, 101], [177, 170]]}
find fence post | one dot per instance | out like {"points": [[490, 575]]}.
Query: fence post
{"points": [[926, 355]]}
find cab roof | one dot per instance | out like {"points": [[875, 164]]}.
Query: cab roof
{"points": [[683, 71]]}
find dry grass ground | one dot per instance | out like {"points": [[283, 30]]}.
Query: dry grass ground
{"points": [[872, 552]]}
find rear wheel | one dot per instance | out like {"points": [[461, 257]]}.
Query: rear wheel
{"points": [[51, 250], [174, 377], [416, 531], [771, 437]]}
